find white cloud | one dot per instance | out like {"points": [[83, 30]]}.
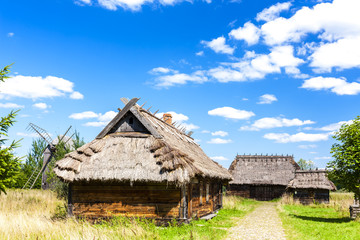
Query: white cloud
{"points": [[35, 87], [313, 152], [95, 124], [322, 158], [219, 158], [133, 5], [200, 53], [163, 70], [298, 137], [333, 126], [225, 75], [76, 95], [10, 34], [249, 33], [107, 117], [283, 56], [176, 117], [342, 54], [220, 133], [267, 123], [219, 141], [189, 126], [335, 20], [84, 115], [83, 2], [267, 99], [180, 79], [32, 135], [271, 13], [229, 112], [41, 105], [309, 146], [205, 131], [337, 85], [10, 105], [219, 46]]}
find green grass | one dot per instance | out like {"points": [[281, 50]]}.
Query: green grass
{"points": [[216, 228], [318, 222]]}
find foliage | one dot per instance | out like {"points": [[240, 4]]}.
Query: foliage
{"points": [[306, 164], [317, 222], [62, 148], [34, 160], [345, 168], [9, 164]]}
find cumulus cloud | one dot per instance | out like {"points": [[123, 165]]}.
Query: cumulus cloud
{"points": [[133, 5], [84, 115], [332, 127], [200, 53], [219, 141], [309, 146], [298, 137], [219, 158], [338, 86], [220, 133], [219, 45], [11, 105], [271, 13], [159, 70], [41, 106], [322, 158], [31, 135], [10, 34], [267, 123], [232, 113], [167, 81], [267, 99], [249, 33], [36, 87], [76, 95], [180, 118]]}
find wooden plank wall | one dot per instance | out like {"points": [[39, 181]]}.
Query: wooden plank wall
{"points": [[197, 204], [309, 196], [258, 192], [156, 201]]}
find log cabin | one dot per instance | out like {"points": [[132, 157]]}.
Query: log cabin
{"points": [[142, 166], [311, 186], [261, 177]]}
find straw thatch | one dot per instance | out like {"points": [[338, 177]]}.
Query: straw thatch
{"points": [[263, 170], [311, 179], [159, 153]]}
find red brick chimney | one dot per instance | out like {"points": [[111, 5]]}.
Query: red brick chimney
{"points": [[167, 118]]}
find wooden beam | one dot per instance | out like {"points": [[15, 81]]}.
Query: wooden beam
{"points": [[116, 119], [146, 123]]}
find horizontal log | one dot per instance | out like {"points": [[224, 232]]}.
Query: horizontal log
{"points": [[125, 199], [128, 187]]}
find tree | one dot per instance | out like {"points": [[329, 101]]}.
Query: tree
{"points": [[9, 163], [305, 165], [345, 167]]}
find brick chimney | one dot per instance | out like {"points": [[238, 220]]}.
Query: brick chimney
{"points": [[167, 118]]}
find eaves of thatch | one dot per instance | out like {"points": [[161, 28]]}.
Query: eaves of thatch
{"points": [[158, 153], [311, 179], [263, 169]]}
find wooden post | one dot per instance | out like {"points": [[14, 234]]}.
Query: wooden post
{"points": [[70, 202], [190, 200], [183, 203]]}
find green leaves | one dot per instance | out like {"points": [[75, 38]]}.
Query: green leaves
{"points": [[345, 168]]}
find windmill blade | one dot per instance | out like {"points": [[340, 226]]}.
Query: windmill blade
{"points": [[65, 134], [42, 132]]}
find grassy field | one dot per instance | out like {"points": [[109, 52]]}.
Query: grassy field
{"points": [[320, 221], [36, 214]]}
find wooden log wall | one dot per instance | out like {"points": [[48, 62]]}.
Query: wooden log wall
{"points": [[309, 196], [157, 201], [202, 202], [258, 192]]}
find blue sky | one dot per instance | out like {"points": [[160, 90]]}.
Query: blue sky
{"points": [[255, 77]]}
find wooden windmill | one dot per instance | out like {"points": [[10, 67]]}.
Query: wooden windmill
{"points": [[48, 154]]}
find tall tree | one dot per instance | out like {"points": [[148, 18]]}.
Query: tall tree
{"points": [[306, 164], [9, 163], [345, 167]]}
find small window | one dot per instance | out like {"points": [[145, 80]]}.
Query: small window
{"points": [[131, 121], [201, 193], [207, 192]]}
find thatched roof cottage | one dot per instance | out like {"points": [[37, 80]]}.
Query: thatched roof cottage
{"points": [[140, 165], [261, 177], [311, 186]]}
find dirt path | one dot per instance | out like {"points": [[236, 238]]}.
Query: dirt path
{"points": [[263, 223]]}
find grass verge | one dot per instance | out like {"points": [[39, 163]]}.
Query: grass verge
{"points": [[320, 221], [37, 214]]}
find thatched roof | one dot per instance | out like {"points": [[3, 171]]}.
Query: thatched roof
{"points": [[144, 148], [263, 170], [311, 179]]}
